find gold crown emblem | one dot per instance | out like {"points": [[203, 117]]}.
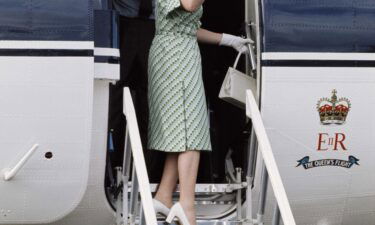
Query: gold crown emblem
{"points": [[334, 110]]}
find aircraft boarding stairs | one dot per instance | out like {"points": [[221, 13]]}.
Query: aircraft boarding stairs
{"points": [[246, 197], [130, 207]]}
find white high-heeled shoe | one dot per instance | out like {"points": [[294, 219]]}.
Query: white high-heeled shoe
{"points": [[160, 208], [177, 211]]}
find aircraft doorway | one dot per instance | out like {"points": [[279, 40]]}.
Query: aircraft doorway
{"points": [[229, 132]]}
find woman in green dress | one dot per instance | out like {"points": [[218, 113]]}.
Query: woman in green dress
{"points": [[178, 113]]}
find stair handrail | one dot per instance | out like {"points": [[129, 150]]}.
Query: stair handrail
{"points": [[138, 160], [252, 111]]}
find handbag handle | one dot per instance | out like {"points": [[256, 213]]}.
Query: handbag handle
{"points": [[237, 60], [228, 82]]}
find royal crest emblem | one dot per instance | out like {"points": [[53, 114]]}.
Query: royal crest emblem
{"points": [[333, 110]]}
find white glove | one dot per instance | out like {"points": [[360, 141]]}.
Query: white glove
{"points": [[236, 42]]}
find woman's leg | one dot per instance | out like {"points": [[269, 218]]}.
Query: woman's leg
{"points": [[168, 180], [188, 163]]}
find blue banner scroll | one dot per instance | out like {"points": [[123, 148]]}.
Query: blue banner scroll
{"points": [[307, 164]]}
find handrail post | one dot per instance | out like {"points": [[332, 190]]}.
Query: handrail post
{"points": [[250, 175], [251, 50], [249, 201], [142, 220], [251, 62], [126, 177], [263, 195], [276, 215], [134, 197], [253, 146], [120, 199], [239, 194]]}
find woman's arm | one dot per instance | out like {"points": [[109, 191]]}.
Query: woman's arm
{"points": [[191, 5], [208, 37]]}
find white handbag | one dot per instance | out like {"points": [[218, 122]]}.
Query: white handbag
{"points": [[233, 89]]}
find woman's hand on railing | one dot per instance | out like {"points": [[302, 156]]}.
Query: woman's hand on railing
{"points": [[238, 43]]}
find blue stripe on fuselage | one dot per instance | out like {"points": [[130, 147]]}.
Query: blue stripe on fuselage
{"points": [[67, 20], [318, 26]]}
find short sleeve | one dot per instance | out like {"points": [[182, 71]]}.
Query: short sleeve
{"points": [[172, 5]]}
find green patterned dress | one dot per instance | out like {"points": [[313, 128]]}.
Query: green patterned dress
{"points": [[177, 102]]}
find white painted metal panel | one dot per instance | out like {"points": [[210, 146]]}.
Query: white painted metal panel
{"points": [[327, 194], [94, 208], [45, 100], [107, 71]]}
